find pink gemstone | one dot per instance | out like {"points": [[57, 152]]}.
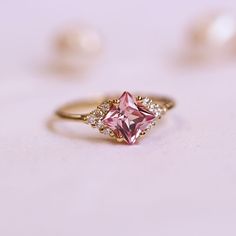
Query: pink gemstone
{"points": [[128, 119]]}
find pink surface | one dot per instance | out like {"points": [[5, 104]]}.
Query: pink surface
{"points": [[181, 180]]}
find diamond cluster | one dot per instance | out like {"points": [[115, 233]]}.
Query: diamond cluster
{"points": [[156, 109], [127, 118], [95, 118]]}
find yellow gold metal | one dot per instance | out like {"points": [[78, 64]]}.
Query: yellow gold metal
{"points": [[101, 130], [115, 101], [93, 125], [120, 140], [112, 134]]}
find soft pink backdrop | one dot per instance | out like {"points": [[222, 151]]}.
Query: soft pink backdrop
{"points": [[180, 180]]}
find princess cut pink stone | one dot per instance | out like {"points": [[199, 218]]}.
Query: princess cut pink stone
{"points": [[128, 119]]}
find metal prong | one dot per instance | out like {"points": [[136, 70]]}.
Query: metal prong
{"points": [[142, 133], [121, 139]]}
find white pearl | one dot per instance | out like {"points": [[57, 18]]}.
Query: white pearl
{"points": [[76, 48], [80, 40], [216, 30]]}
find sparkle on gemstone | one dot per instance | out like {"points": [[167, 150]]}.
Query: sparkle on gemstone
{"points": [[128, 118]]}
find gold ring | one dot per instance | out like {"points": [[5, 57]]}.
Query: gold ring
{"points": [[126, 118]]}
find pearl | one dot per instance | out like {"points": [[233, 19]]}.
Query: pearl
{"points": [[214, 31], [212, 38], [75, 49], [80, 40]]}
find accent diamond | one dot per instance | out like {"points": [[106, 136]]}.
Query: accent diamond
{"points": [[91, 120], [105, 107], [146, 101]]}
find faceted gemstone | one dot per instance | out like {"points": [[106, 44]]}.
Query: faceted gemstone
{"points": [[128, 118]]}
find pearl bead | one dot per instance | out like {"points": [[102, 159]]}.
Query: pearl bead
{"points": [[214, 31], [80, 40], [75, 49]]}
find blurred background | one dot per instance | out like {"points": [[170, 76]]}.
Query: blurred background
{"points": [[138, 40], [180, 180]]}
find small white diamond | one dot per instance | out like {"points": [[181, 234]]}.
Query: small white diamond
{"points": [[98, 113], [106, 131], [152, 107], [146, 101], [99, 124], [91, 120], [156, 109], [105, 107], [149, 127], [154, 123]]}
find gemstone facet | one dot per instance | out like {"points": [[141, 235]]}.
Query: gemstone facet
{"points": [[128, 118]]}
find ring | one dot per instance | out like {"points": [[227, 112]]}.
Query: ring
{"points": [[125, 119]]}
